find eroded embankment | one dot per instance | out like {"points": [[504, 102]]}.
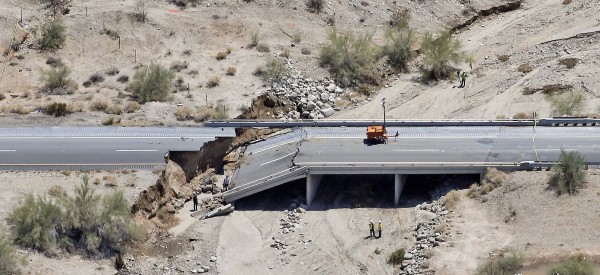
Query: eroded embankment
{"points": [[510, 6]]}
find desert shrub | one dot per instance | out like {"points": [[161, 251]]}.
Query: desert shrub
{"points": [[438, 53], [569, 62], [305, 51], [98, 105], [254, 39], [131, 107], [274, 70], [52, 35], [569, 174], [75, 106], [110, 181], [396, 257], [123, 78], [213, 82], [398, 47], [179, 66], [184, 113], [111, 120], [506, 264], [567, 103], [451, 199], [525, 68], [221, 55], [140, 12], [231, 71], [57, 109], [485, 188], [112, 71], [57, 77], [521, 115], [9, 261], [54, 61], [2, 96], [566, 2], [96, 78], [503, 57], [285, 53], [151, 83], [400, 18], [220, 111], [576, 265], [315, 6], [296, 38], [350, 59], [263, 48], [114, 109], [548, 89], [494, 176], [34, 222]]}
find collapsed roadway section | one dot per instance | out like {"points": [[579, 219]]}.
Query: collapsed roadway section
{"points": [[313, 152]]}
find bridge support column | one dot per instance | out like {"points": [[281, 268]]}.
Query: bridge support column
{"points": [[399, 185], [312, 184]]}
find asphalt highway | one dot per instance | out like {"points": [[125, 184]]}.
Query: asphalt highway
{"points": [[345, 146], [98, 145]]}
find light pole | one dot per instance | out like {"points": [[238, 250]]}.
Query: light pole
{"points": [[383, 105]]}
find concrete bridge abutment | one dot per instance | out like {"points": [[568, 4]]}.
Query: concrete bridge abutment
{"points": [[312, 184], [399, 181]]}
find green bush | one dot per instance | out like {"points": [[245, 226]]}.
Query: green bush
{"points": [[396, 257], [577, 265], [438, 53], [151, 83], [398, 47], [350, 59], [9, 261], [57, 109], [567, 103], [274, 70], [82, 221], [34, 222], [507, 264], [400, 18], [569, 175], [53, 35], [56, 77]]}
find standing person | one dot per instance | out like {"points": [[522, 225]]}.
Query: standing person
{"points": [[371, 229], [195, 199], [226, 183], [463, 79], [380, 228], [396, 136]]}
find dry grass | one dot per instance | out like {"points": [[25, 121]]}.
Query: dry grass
{"points": [[525, 68], [494, 177], [213, 82], [56, 191], [114, 109], [231, 71], [221, 55], [110, 181], [111, 120], [16, 108], [184, 113], [178, 66], [96, 181], [263, 48], [569, 62], [566, 2], [521, 115], [451, 199], [503, 57], [473, 192], [75, 106], [66, 172], [486, 187], [98, 105], [285, 53], [131, 107]]}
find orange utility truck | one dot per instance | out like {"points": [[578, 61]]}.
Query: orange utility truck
{"points": [[376, 134]]}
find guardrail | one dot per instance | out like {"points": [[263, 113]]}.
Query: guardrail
{"points": [[238, 123], [265, 183], [79, 167]]}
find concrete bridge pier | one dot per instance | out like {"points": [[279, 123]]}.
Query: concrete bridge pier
{"points": [[312, 184], [399, 181]]}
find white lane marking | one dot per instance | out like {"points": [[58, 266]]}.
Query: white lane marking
{"points": [[272, 146], [134, 150], [8, 150], [278, 158], [419, 150]]}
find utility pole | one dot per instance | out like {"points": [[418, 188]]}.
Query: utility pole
{"points": [[384, 129]]}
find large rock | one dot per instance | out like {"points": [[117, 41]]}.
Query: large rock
{"points": [[324, 96], [327, 112], [311, 97], [331, 87], [310, 106]]}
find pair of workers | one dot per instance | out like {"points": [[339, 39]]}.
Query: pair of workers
{"points": [[372, 229]]}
